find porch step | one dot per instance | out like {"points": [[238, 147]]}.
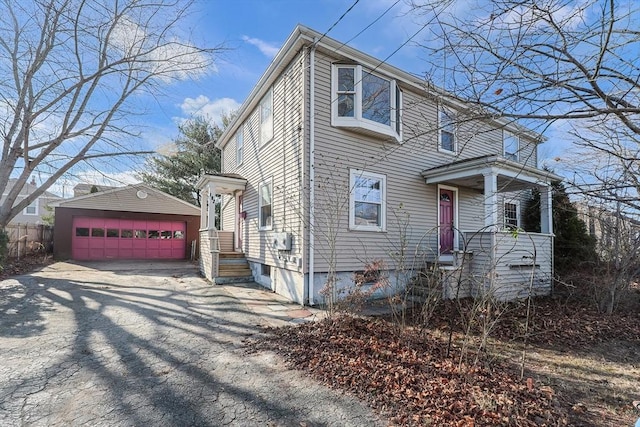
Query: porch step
{"points": [[240, 272], [229, 280], [231, 255], [233, 268]]}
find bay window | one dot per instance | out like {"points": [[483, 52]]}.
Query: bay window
{"points": [[363, 100]]}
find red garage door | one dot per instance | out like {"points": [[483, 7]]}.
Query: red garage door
{"points": [[105, 238]]}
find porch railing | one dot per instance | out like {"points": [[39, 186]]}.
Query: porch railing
{"points": [[509, 264]]}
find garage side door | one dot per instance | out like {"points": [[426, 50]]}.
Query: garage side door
{"points": [[113, 238]]}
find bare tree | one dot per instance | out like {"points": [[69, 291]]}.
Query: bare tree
{"points": [[546, 60], [74, 73]]}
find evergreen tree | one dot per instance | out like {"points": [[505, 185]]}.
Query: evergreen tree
{"points": [[573, 246], [195, 151]]}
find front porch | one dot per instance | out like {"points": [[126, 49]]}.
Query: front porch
{"points": [[221, 259], [497, 258]]}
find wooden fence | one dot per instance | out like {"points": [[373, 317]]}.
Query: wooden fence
{"points": [[26, 239]]}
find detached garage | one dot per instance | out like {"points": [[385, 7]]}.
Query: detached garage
{"points": [[133, 222]]}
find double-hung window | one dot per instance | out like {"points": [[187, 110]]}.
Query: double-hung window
{"points": [[239, 145], [32, 209], [366, 101], [266, 117], [511, 144], [367, 201], [447, 130], [265, 203], [511, 215]]}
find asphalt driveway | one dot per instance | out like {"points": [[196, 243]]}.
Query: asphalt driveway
{"points": [[145, 344]]}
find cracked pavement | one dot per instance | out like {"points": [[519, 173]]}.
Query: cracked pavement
{"points": [[146, 344]]}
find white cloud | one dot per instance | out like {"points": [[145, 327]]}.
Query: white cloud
{"points": [[166, 59], [267, 49], [212, 110]]}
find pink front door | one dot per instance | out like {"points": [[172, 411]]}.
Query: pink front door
{"points": [[113, 238], [446, 221]]}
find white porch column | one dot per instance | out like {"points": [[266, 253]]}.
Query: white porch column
{"points": [[546, 212], [491, 201], [211, 208], [203, 207]]}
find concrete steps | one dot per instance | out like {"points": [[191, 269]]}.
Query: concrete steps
{"points": [[233, 268]]}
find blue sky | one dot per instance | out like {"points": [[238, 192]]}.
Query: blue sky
{"points": [[252, 31]]}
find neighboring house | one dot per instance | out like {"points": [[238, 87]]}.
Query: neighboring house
{"points": [[337, 159], [617, 234], [33, 213], [132, 222], [83, 189]]}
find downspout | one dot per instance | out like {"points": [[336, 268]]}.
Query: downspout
{"points": [[312, 185]]}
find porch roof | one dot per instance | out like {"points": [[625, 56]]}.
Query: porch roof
{"points": [[222, 183], [511, 176]]}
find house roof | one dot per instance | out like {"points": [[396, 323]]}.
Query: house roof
{"points": [[84, 188], [29, 188], [132, 198], [470, 173], [303, 36], [224, 183]]}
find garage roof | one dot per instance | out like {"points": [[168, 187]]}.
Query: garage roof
{"points": [[132, 198]]}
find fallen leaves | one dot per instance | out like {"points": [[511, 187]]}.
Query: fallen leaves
{"points": [[407, 376]]}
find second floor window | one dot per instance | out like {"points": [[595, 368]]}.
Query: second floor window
{"points": [[447, 127], [266, 118], [362, 99], [239, 146], [511, 144]]}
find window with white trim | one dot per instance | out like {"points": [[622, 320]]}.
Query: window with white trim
{"points": [[266, 117], [32, 209], [264, 205], [511, 215], [367, 201], [447, 130], [363, 99], [239, 145], [511, 144]]}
